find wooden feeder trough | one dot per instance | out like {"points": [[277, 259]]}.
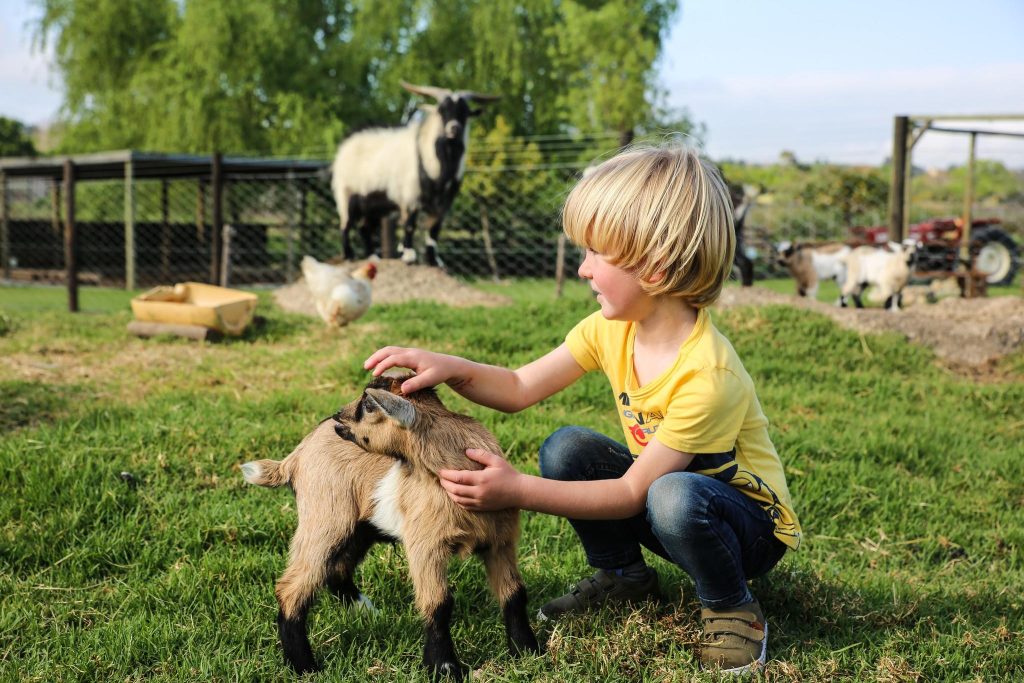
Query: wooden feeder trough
{"points": [[192, 309]]}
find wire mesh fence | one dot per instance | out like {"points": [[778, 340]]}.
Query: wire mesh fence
{"points": [[504, 223]]}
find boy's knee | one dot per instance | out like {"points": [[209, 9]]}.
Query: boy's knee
{"points": [[561, 453], [675, 501]]}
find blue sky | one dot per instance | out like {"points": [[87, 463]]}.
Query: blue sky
{"points": [[820, 78]]}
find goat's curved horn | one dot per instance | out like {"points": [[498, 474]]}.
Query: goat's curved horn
{"points": [[427, 90], [478, 96]]}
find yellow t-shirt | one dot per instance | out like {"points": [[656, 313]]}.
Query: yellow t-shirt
{"points": [[703, 404]]}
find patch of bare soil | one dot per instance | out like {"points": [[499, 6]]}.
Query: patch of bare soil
{"points": [[968, 335], [395, 283]]}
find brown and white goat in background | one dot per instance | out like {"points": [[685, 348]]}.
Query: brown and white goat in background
{"points": [[370, 474], [811, 264]]}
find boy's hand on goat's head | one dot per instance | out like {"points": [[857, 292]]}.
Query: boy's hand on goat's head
{"points": [[431, 368], [495, 487]]}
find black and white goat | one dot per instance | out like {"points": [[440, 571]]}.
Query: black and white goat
{"points": [[410, 168], [743, 197]]}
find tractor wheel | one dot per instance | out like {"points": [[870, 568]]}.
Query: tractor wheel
{"points": [[995, 253]]}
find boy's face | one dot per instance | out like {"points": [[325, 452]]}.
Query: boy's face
{"points": [[618, 291]]}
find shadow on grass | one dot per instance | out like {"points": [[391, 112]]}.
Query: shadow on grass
{"points": [[24, 404]]}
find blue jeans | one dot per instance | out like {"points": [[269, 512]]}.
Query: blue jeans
{"points": [[716, 534]]}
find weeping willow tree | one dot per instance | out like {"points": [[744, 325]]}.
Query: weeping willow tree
{"points": [[293, 76]]}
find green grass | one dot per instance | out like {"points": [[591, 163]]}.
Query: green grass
{"points": [[909, 482]]}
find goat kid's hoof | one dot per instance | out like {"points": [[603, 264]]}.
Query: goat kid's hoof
{"points": [[449, 671], [408, 256]]}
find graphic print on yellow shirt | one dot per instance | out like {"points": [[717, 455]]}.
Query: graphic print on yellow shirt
{"points": [[703, 404]]}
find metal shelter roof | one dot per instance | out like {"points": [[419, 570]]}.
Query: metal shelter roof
{"points": [[111, 165]]}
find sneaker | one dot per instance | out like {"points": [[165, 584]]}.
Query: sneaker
{"points": [[735, 640], [602, 588]]}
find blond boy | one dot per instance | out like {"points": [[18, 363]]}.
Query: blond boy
{"points": [[698, 481]]}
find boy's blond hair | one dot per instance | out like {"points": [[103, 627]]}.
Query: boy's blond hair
{"points": [[658, 209]]}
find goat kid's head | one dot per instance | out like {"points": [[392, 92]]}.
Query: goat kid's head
{"points": [[452, 106], [785, 252], [382, 420]]}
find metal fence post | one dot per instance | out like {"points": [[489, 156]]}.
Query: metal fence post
{"points": [[70, 237], [5, 231], [129, 224]]}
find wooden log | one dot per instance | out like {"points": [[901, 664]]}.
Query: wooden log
{"points": [[150, 329]]}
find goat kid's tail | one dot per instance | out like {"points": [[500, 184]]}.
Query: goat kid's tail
{"points": [[265, 473]]}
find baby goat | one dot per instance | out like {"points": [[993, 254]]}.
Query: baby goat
{"points": [[370, 474], [810, 264], [887, 269]]}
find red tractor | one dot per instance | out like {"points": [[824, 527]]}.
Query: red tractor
{"points": [[993, 251]]}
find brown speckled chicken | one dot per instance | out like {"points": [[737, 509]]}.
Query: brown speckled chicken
{"points": [[341, 296]]}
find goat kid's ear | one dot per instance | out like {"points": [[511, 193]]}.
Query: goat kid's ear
{"points": [[476, 112], [397, 408], [428, 108]]}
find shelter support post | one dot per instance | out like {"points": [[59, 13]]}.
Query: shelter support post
{"points": [[70, 236], [899, 177], [965, 239], [129, 225]]}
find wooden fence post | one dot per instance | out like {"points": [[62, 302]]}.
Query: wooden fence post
{"points": [[165, 232], [217, 181], [129, 224], [70, 237], [5, 228], [560, 265]]}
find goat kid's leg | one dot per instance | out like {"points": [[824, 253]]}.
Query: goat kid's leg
{"points": [[507, 584], [857, 293], [296, 594], [343, 562], [428, 565], [408, 219]]}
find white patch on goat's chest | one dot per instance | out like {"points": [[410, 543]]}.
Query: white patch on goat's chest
{"points": [[387, 516]]}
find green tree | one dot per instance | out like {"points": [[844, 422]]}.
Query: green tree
{"points": [[992, 182], [605, 51], [14, 139], [845, 191], [291, 76]]}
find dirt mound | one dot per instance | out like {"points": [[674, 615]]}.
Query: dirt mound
{"points": [[962, 332], [397, 283]]}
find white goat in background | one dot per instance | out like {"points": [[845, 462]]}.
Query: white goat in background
{"points": [[887, 269]]}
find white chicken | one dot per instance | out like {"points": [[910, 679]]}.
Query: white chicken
{"points": [[341, 296]]}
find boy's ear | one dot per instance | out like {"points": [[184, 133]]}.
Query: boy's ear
{"points": [[657, 277]]}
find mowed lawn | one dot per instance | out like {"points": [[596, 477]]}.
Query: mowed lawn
{"points": [[909, 481]]}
